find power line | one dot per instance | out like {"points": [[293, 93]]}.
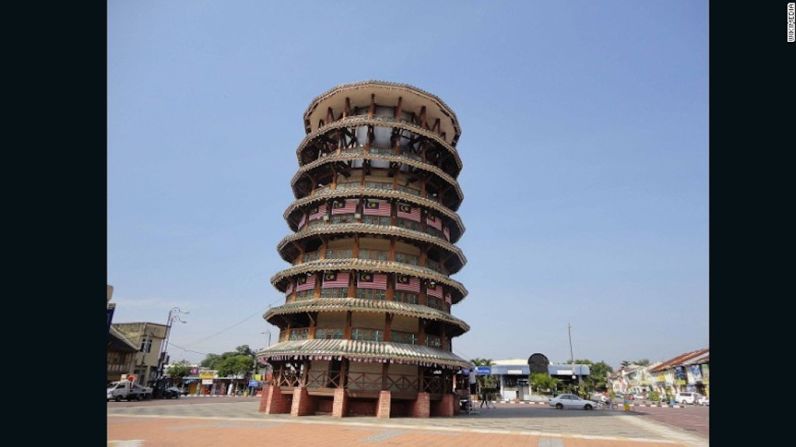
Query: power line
{"points": [[187, 350], [225, 329]]}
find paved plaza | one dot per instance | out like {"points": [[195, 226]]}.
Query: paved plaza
{"points": [[234, 421]]}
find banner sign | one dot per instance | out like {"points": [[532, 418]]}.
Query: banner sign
{"points": [[483, 370]]}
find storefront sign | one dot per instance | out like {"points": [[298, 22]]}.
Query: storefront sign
{"points": [[207, 374], [514, 372], [254, 384], [483, 370], [207, 381]]}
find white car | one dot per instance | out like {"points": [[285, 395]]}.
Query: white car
{"points": [[687, 398], [702, 400], [571, 401]]}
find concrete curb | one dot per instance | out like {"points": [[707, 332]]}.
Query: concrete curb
{"points": [[620, 405]]}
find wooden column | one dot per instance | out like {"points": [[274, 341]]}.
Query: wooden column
{"points": [[372, 108], [391, 256], [347, 331], [305, 373], [389, 295], [313, 325], [352, 289], [384, 371], [316, 293], [343, 373], [421, 331], [388, 327]]}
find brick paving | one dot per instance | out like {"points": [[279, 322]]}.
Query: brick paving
{"points": [[509, 424], [199, 432], [692, 419]]}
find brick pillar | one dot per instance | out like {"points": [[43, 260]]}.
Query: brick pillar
{"points": [[383, 409], [276, 403], [303, 403], [340, 404], [421, 408], [444, 407], [264, 398]]}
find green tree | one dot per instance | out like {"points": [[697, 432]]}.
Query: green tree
{"points": [[234, 365], [543, 382], [642, 362], [179, 369], [211, 361]]}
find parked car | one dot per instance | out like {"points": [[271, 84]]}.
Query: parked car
{"points": [[600, 397], [687, 397], [703, 400], [127, 390], [171, 392], [571, 401]]}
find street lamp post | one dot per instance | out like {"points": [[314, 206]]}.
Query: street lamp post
{"points": [[174, 314]]}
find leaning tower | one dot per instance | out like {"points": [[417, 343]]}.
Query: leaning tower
{"points": [[366, 327]]}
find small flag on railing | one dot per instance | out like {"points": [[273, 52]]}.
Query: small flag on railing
{"points": [[447, 233], [433, 221], [407, 283], [369, 280], [289, 289], [317, 212], [376, 208], [335, 279], [408, 212], [302, 220], [345, 206], [305, 283], [434, 290]]}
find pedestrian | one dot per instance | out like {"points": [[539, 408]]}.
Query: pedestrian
{"points": [[472, 384]]}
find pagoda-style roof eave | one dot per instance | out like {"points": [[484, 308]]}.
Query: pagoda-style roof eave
{"points": [[362, 350], [367, 305], [366, 228]]}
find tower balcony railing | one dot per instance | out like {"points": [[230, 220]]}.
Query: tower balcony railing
{"points": [[367, 334]]}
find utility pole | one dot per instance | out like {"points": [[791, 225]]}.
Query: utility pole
{"points": [[173, 315], [571, 355]]}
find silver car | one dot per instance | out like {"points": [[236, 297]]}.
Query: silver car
{"points": [[571, 401]]}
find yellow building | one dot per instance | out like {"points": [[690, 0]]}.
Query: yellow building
{"points": [[148, 339]]}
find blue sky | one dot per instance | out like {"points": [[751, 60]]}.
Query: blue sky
{"points": [[584, 146]]}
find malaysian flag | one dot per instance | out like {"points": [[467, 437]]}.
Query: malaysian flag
{"points": [[289, 289], [434, 290], [345, 206], [302, 220], [317, 212], [448, 298], [408, 283], [409, 212], [372, 281], [446, 232], [376, 208], [335, 279], [433, 221], [305, 283]]}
